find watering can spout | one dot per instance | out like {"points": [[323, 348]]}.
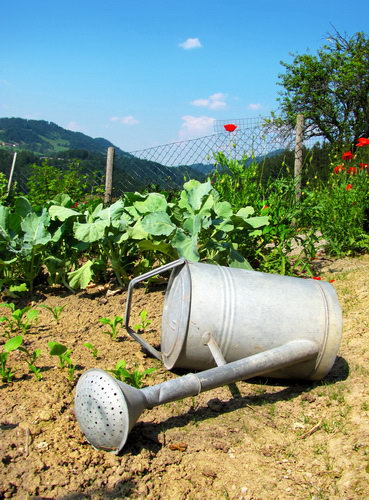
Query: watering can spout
{"points": [[107, 409]]}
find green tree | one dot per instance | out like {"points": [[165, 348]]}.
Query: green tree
{"points": [[331, 89]]}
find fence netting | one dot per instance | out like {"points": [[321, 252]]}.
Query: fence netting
{"points": [[168, 166]]}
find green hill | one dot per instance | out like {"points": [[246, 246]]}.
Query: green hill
{"points": [[47, 138], [35, 140]]}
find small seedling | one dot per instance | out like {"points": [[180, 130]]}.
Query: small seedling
{"points": [[133, 378], [63, 354], [113, 323], [31, 357], [141, 327], [20, 319], [93, 350], [55, 311], [9, 346]]}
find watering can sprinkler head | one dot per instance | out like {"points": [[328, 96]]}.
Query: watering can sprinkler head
{"points": [[106, 409]]}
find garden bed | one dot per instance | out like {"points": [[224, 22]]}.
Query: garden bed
{"points": [[277, 440]]}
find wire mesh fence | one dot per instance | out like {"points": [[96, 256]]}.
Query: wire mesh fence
{"points": [[168, 166]]}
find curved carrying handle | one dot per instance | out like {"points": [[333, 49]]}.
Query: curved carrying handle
{"points": [[167, 267]]}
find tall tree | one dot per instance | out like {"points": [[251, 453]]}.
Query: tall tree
{"points": [[331, 89]]}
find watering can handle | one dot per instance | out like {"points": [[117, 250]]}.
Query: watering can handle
{"points": [[166, 267]]}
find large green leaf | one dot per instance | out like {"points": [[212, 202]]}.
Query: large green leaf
{"points": [[158, 224], [35, 229], [82, 276], [156, 246], [62, 213], [193, 224], [245, 212], [235, 259], [223, 209], [196, 191], [54, 264], [22, 206], [260, 221], [111, 213], [137, 232], [91, 231], [155, 202], [62, 199], [4, 216], [186, 246], [223, 225]]}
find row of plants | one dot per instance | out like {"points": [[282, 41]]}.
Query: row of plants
{"points": [[335, 209], [78, 242], [17, 324], [235, 218]]}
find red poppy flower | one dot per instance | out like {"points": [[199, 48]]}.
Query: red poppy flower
{"points": [[348, 187], [347, 155], [316, 278], [265, 207], [352, 170], [332, 281], [230, 127], [75, 205], [364, 165], [338, 169], [363, 141]]}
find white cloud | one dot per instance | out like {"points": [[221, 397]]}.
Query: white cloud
{"points": [[215, 101], [195, 126], [191, 43], [74, 126], [254, 106], [125, 120]]}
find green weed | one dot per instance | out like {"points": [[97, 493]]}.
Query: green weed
{"points": [[134, 377], [113, 323]]}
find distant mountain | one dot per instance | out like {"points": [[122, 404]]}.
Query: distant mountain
{"points": [[36, 140], [47, 138]]}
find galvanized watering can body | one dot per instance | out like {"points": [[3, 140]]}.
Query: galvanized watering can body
{"points": [[215, 315]]}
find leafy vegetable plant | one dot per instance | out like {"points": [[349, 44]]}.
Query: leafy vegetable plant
{"points": [[55, 311], [31, 357], [141, 327], [19, 320], [9, 346], [134, 378], [93, 350], [113, 323], [63, 354]]}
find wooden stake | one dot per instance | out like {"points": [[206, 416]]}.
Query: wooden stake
{"points": [[11, 173], [298, 154], [109, 175]]}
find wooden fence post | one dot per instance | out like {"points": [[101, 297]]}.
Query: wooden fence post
{"points": [[109, 175], [298, 154], [11, 173]]}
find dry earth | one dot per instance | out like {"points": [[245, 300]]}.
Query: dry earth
{"points": [[277, 440]]}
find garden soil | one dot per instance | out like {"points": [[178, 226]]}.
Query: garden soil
{"points": [[276, 440]]}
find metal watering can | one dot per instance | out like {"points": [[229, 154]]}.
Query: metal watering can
{"points": [[247, 322], [215, 315]]}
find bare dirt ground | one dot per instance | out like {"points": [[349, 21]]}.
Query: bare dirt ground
{"points": [[277, 440]]}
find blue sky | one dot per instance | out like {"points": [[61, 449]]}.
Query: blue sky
{"points": [[144, 73]]}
